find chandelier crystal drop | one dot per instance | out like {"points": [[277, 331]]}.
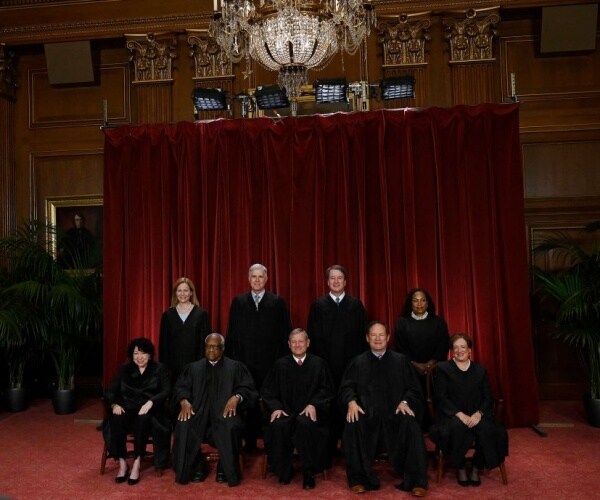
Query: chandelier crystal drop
{"points": [[291, 36]]}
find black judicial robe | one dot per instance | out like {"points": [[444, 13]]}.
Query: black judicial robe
{"points": [[291, 388], [422, 340], [258, 338], [131, 389], [378, 386], [337, 332], [208, 388], [467, 391], [182, 342]]}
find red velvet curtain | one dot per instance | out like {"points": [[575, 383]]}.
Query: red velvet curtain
{"points": [[430, 198]]}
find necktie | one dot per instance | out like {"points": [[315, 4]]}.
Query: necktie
{"points": [[299, 362], [256, 300], [337, 301]]}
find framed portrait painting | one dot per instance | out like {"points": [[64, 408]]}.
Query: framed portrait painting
{"points": [[77, 243]]}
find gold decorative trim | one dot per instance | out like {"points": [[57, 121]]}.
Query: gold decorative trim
{"points": [[46, 33], [209, 60], [470, 34], [152, 55], [404, 38]]}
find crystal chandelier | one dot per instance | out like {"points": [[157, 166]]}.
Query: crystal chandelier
{"points": [[291, 36]]}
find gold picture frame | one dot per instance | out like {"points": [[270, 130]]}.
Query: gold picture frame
{"points": [[62, 212]]}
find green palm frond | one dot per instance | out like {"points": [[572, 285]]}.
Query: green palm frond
{"points": [[576, 288]]}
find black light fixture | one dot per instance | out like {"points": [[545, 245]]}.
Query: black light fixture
{"points": [[271, 97], [209, 99], [331, 90], [400, 87]]}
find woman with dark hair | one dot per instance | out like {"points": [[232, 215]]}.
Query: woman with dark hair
{"points": [[183, 328], [420, 334], [136, 398], [464, 408]]}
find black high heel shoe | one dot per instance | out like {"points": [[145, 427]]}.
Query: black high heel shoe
{"points": [[475, 479], [122, 479], [462, 482]]}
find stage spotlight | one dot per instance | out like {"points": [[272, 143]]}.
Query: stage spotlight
{"points": [[331, 90], [271, 97], [402, 87], [209, 99]]}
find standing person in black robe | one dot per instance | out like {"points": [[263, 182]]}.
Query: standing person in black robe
{"points": [[337, 323], [136, 397], [384, 402], [257, 332], [208, 394], [297, 393], [421, 336], [183, 328], [464, 407]]}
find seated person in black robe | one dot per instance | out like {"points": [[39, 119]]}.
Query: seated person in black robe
{"points": [[208, 394], [297, 393], [384, 403], [464, 408], [136, 397]]}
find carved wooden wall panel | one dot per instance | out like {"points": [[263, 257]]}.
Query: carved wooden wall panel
{"points": [[153, 103], [473, 83], [79, 106], [564, 169], [7, 166], [559, 92], [64, 173]]}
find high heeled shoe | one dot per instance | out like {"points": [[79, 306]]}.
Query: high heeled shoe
{"points": [[132, 482], [465, 481], [475, 480], [122, 479]]}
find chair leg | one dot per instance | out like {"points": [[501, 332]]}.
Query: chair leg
{"points": [[325, 475], [440, 465], [103, 459], [503, 473], [265, 465]]}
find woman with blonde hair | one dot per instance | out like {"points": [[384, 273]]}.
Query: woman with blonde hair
{"points": [[183, 328]]}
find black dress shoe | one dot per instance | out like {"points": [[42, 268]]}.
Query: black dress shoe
{"points": [[199, 475], [286, 478], [221, 477], [132, 482], [122, 479], [308, 483]]}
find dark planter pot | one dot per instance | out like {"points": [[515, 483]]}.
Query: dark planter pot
{"points": [[592, 410], [17, 399], [63, 401]]}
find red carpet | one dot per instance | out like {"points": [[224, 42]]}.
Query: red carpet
{"points": [[50, 456]]}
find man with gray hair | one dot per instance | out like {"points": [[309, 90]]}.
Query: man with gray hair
{"points": [[207, 397], [297, 395], [257, 332]]}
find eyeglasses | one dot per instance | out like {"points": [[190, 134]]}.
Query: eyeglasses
{"points": [[211, 347]]}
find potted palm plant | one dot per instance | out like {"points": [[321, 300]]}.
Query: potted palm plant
{"points": [[574, 284], [67, 302], [20, 336]]}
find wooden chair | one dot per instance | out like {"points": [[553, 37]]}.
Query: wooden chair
{"points": [[149, 455], [439, 454]]}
